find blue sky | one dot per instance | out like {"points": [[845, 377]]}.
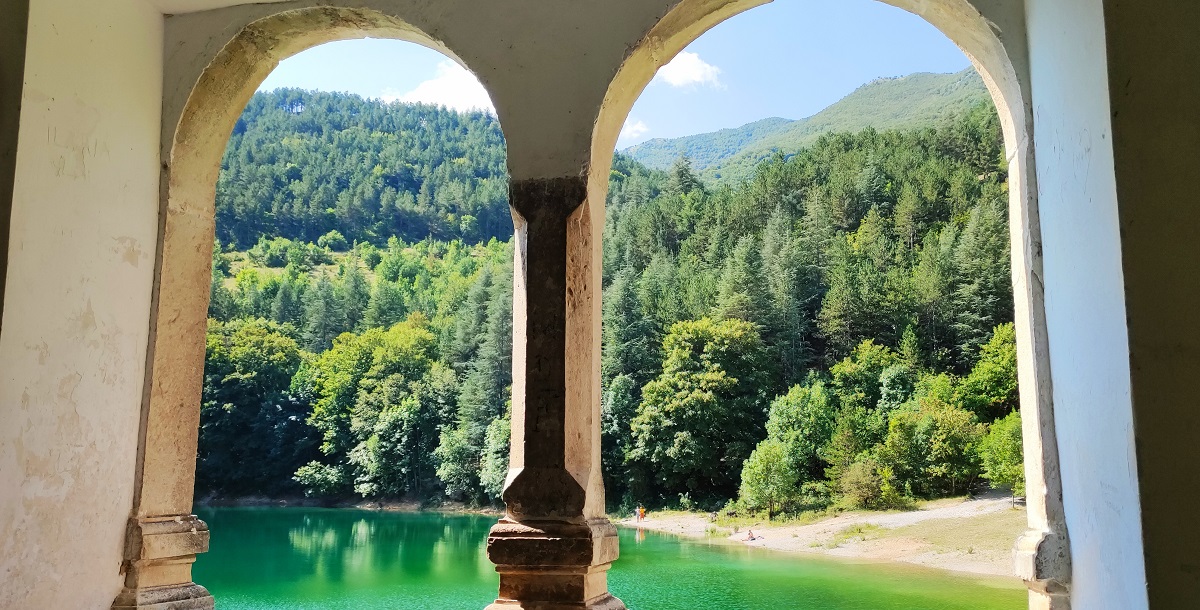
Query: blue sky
{"points": [[789, 59]]}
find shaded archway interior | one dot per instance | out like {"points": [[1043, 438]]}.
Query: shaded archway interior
{"points": [[12, 71]]}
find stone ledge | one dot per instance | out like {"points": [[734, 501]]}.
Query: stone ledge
{"points": [[1043, 560], [603, 602], [189, 596], [163, 538], [552, 545], [1042, 555]]}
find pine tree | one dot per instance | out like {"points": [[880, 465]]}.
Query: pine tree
{"points": [[873, 187], [221, 304], [483, 398], [288, 307], [630, 339], [484, 392], [868, 290], [933, 284], [388, 305], [469, 323], [683, 180], [323, 317], [353, 292], [983, 298], [791, 293], [659, 292], [742, 293], [618, 407]]}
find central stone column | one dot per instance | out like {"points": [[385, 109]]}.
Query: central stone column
{"points": [[553, 547]]}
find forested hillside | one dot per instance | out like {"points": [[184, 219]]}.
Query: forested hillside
{"points": [[300, 164], [836, 328], [907, 102]]}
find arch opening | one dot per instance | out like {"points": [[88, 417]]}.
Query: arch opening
{"points": [[1042, 553], [194, 142]]}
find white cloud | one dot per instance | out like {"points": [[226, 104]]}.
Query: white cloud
{"points": [[452, 86], [687, 69], [632, 130]]}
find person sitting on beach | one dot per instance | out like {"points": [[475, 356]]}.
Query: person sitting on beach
{"points": [[750, 535]]}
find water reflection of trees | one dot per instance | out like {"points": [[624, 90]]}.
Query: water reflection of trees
{"points": [[404, 545], [292, 545]]}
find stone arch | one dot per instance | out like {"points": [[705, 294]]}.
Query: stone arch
{"points": [[994, 41], [163, 537]]}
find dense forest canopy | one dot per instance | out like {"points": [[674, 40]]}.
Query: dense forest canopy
{"points": [[300, 164], [833, 329]]}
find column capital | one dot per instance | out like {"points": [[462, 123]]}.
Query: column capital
{"points": [[549, 198]]}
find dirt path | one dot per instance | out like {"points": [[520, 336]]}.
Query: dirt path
{"points": [[972, 536]]}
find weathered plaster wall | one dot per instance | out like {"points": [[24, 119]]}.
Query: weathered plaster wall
{"points": [[1153, 53], [84, 224], [14, 17], [1085, 303]]}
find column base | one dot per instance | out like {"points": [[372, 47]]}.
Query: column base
{"points": [[158, 566], [604, 602], [1043, 560], [553, 565], [190, 596]]}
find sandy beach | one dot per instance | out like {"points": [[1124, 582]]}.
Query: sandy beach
{"points": [[962, 535]]}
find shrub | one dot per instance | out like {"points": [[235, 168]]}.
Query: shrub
{"points": [[319, 479], [768, 479], [1003, 455], [370, 255], [270, 252], [333, 240], [860, 484]]}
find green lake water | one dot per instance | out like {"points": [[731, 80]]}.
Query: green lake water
{"points": [[335, 559]]}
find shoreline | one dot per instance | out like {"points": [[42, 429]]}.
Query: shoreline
{"points": [[970, 537], [398, 506]]}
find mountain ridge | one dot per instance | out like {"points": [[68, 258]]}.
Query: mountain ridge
{"points": [[920, 99]]}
